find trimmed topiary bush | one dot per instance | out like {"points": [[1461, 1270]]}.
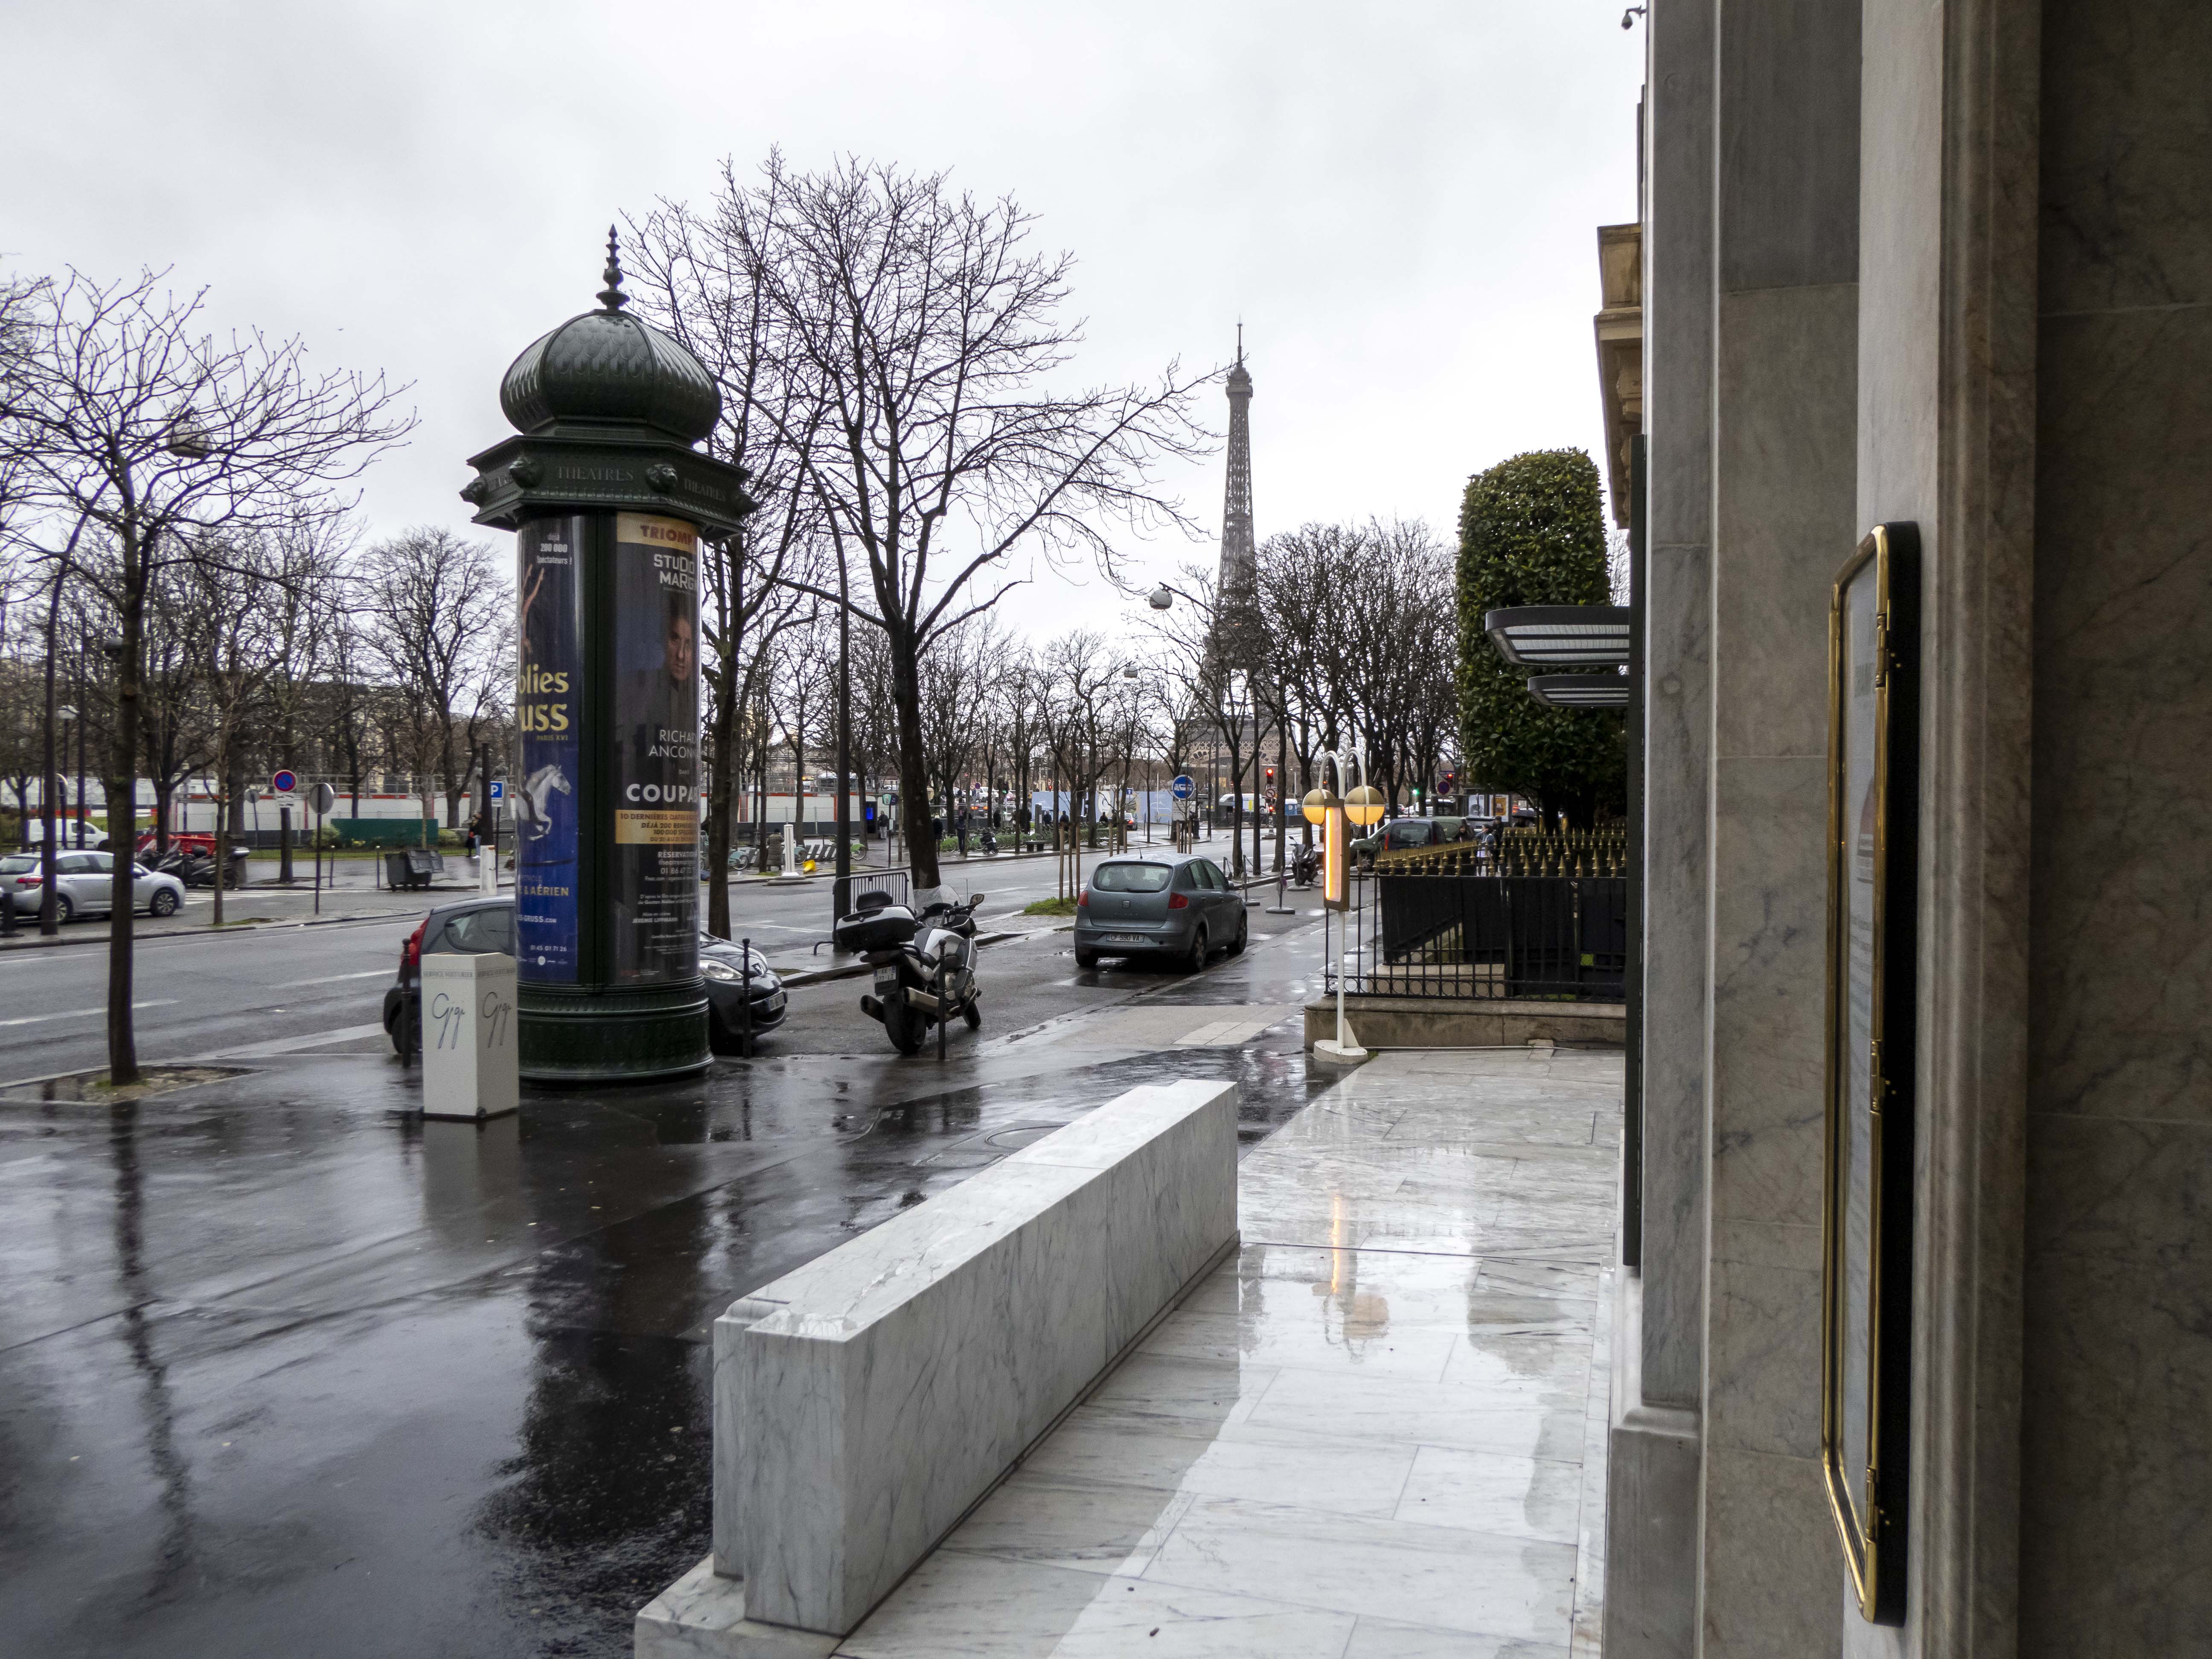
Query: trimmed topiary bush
{"points": [[1532, 531]]}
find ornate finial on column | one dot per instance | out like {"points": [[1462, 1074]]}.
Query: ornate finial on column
{"points": [[611, 298]]}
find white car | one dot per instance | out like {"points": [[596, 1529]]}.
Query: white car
{"points": [[84, 885]]}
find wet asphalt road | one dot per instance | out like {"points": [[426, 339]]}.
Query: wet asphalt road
{"points": [[201, 993], [284, 1370]]}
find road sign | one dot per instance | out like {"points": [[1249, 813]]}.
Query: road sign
{"points": [[284, 782], [322, 798], [498, 789], [1183, 786]]}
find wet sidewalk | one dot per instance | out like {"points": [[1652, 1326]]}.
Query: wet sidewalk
{"points": [[1380, 1431]]}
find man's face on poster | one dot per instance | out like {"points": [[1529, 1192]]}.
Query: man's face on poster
{"points": [[682, 653]]}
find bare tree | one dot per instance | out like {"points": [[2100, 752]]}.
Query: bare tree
{"points": [[692, 279], [441, 627], [236, 587], [921, 327], [120, 410]]}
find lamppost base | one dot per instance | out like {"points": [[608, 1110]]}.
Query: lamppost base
{"points": [[612, 1036], [1341, 1053]]}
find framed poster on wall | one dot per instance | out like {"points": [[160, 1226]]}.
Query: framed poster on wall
{"points": [[1866, 1347]]}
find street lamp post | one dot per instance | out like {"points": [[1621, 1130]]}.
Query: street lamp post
{"points": [[1360, 804], [841, 889], [608, 498]]}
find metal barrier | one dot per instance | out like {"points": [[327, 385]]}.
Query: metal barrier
{"points": [[1481, 936], [896, 883]]}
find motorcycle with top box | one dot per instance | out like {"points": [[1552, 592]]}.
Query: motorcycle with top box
{"points": [[925, 965]]}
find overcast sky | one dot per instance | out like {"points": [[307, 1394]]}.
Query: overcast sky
{"points": [[1399, 199]]}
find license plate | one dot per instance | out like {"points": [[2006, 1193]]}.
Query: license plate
{"points": [[1124, 939]]}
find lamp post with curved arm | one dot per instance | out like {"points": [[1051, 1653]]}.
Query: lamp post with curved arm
{"points": [[1361, 804]]}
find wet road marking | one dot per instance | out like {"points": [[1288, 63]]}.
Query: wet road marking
{"points": [[84, 1013], [333, 979], [288, 1045]]}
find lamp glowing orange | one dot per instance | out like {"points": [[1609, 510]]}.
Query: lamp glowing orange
{"points": [[1364, 804], [1335, 860]]}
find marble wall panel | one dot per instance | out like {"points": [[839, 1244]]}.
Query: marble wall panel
{"points": [[1772, 1560], [1678, 277], [2127, 199], [1678, 301], [2122, 918], [1677, 799], [1763, 1384], [2116, 1520], [1787, 143], [1785, 517], [1770, 919], [878, 1391], [1900, 263]]}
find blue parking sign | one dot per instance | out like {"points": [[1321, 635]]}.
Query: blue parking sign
{"points": [[498, 789]]}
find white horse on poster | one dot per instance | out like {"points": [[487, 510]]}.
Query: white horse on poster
{"points": [[533, 818]]}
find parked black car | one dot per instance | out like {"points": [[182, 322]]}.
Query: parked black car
{"points": [[487, 924]]}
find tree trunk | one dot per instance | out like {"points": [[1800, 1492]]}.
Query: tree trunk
{"points": [[720, 794], [49, 859], [913, 764], [122, 784]]}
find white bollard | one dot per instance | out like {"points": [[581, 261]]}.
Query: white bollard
{"points": [[469, 1061], [487, 870]]}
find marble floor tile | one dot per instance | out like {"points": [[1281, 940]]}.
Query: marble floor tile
{"points": [[1542, 1420], [1347, 1328], [1271, 1466], [1331, 1221], [1577, 1281], [1492, 1492], [960, 1606], [1484, 1359], [1083, 1524], [1386, 1638], [1542, 1124], [1192, 1391], [1437, 1576], [1423, 1289]]}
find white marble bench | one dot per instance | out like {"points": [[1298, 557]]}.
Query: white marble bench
{"points": [[865, 1402]]}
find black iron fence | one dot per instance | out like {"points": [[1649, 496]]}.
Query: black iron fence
{"points": [[1416, 933]]}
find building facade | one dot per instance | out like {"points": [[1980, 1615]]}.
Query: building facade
{"points": [[1946, 264]]}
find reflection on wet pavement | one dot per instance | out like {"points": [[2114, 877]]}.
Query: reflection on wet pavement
{"points": [[1381, 1430], [285, 1369]]}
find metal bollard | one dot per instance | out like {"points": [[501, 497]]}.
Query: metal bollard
{"points": [[745, 1019]]}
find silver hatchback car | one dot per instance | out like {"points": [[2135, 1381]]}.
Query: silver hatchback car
{"points": [[84, 885], [1175, 907]]}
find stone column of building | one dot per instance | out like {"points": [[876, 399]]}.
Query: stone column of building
{"points": [[1784, 516], [1946, 262], [2116, 1250], [1652, 1467]]}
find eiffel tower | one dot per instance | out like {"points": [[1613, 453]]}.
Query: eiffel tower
{"points": [[1237, 583]]}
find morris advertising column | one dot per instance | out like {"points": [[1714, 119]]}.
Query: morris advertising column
{"points": [[608, 501]]}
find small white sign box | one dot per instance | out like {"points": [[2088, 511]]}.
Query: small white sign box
{"points": [[468, 1066]]}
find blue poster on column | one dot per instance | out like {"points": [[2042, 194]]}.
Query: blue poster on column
{"points": [[549, 713]]}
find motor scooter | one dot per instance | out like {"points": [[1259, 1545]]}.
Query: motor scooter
{"points": [[1305, 866], [925, 966]]}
